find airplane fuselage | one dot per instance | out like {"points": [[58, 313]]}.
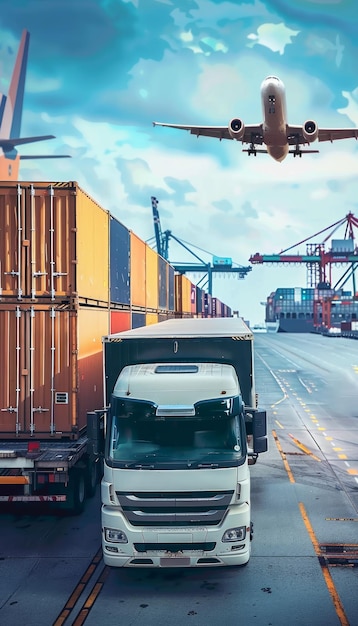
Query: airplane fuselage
{"points": [[274, 126]]}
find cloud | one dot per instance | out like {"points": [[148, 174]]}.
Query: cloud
{"points": [[100, 71], [351, 110], [273, 36], [321, 46]]}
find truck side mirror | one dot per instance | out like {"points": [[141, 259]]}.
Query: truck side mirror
{"points": [[259, 432], [95, 432]]}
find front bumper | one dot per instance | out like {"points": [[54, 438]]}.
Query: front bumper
{"points": [[176, 547]]}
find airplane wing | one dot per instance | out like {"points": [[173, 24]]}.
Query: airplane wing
{"points": [[219, 132], [294, 133], [332, 134]]}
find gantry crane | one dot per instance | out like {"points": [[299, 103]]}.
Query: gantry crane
{"points": [[319, 261], [219, 265]]}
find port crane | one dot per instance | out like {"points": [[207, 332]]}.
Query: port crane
{"points": [[218, 266], [319, 262]]}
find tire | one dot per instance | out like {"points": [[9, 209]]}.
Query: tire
{"points": [[91, 479], [77, 492]]}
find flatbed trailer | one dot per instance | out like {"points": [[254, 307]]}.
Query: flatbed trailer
{"points": [[64, 472]]}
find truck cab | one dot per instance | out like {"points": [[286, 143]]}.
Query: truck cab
{"points": [[176, 485]]}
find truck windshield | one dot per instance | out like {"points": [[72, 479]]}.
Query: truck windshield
{"points": [[175, 442]]}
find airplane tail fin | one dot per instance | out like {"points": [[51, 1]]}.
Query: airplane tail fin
{"points": [[11, 114], [11, 105]]}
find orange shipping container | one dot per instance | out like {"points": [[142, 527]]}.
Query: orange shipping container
{"points": [[54, 242], [51, 368], [151, 278], [137, 270], [183, 295]]}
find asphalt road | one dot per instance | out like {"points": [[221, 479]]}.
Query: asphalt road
{"points": [[304, 565]]}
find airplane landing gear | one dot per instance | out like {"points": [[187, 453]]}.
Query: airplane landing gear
{"points": [[297, 151]]}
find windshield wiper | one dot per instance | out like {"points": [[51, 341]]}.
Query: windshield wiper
{"points": [[207, 465], [139, 466]]}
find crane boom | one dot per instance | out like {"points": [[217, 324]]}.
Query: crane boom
{"points": [[157, 226], [162, 244]]}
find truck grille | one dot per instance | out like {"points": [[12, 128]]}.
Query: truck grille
{"points": [[175, 509]]}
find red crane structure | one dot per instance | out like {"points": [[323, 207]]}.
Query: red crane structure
{"points": [[319, 262]]}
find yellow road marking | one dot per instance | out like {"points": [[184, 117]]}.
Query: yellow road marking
{"points": [[91, 599], [325, 571], [302, 447], [342, 456], [283, 456], [75, 595], [352, 472]]}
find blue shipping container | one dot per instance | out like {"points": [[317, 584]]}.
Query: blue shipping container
{"points": [[171, 293], [138, 320], [119, 262], [162, 283]]}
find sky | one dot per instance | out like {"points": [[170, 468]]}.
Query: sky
{"points": [[101, 71]]}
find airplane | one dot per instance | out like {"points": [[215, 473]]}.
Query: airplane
{"points": [[279, 137], [10, 119]]}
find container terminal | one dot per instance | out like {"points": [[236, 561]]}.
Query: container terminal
{"points": [[325, 305]]}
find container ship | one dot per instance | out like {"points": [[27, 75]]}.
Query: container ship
{"points": [[302, 310]]}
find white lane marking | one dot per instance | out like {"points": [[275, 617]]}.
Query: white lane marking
{"points": [[304, 385]]}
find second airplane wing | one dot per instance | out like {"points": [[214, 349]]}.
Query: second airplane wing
{"points": [[219, 132]]}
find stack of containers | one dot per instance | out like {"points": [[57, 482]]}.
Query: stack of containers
{"points": [[151, 285], [70, 273], [54, 307]]}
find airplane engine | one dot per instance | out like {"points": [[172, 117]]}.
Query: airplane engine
{"points": [[310, 131], [236, 129]]}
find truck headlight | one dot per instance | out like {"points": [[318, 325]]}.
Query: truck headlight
{"points": [[234, 534], [115, 536]]}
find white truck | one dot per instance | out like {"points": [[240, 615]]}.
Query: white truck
{"points": [[176, 483]]}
